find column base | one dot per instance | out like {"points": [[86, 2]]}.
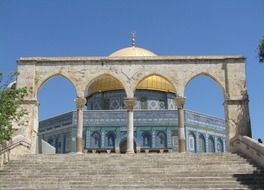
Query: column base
{"points": [[130, 152]]}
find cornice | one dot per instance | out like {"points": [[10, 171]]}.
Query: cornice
{"points": [[234, 58]]}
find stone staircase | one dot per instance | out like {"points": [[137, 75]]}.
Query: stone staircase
{"points": [[139, 171]]}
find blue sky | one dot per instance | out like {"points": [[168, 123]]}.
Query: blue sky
{"points": [[89, 28]]}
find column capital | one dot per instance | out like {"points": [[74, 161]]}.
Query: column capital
{"points": [[130, 103], [180, 101], [80, 102]]}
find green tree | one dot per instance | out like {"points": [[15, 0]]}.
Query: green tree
{"points": [[10, 109], [261, 51]]}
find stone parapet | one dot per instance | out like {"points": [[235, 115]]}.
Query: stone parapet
{"points": [[19, 145], [248, 147]]}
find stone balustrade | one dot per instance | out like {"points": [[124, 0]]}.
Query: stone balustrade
{"points": [[249, 147]]}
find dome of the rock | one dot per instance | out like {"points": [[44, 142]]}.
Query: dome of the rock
{"points": [[132, 52]]}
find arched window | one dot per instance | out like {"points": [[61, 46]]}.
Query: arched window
{"points": [[161, 140], [201, 143], [96, 140], [211, 144], [219, 145], [146, 139], [110, 139], [192, 143]]}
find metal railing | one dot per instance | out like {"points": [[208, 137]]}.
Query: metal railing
{"points": [[6, 148]]}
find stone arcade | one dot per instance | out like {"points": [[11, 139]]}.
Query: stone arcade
{"points": [[155, 124], [127, 73]]}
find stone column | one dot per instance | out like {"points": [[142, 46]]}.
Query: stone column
{"points": [[206, 143], [215, 143], [181, 133], [80, 102], [187, 141], [224, 144], [129, 104], [196, 141]]}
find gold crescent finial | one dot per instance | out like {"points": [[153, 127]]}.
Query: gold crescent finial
{"points": [[133, 39]]}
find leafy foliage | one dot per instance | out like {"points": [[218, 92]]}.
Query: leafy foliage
{"points": [[261, 51], [10, 109]]}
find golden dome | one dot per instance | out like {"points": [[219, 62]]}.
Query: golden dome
{"points": [[132, 52], [155, 82], [104, 83], [108, 83]]}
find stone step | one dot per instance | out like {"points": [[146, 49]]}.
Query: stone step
{"points": [[139, 171], [135, 186], [135, 156], [138, 179], [184, 173], [123, 161], [128, 165]]}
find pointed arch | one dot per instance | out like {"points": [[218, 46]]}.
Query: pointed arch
{"points": [[96, 139], [44, 80], [146, 139], [110, 139], [204, 88], [192, 142], [219, 145], [211, 77], [201, 143], [161, 139]]}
